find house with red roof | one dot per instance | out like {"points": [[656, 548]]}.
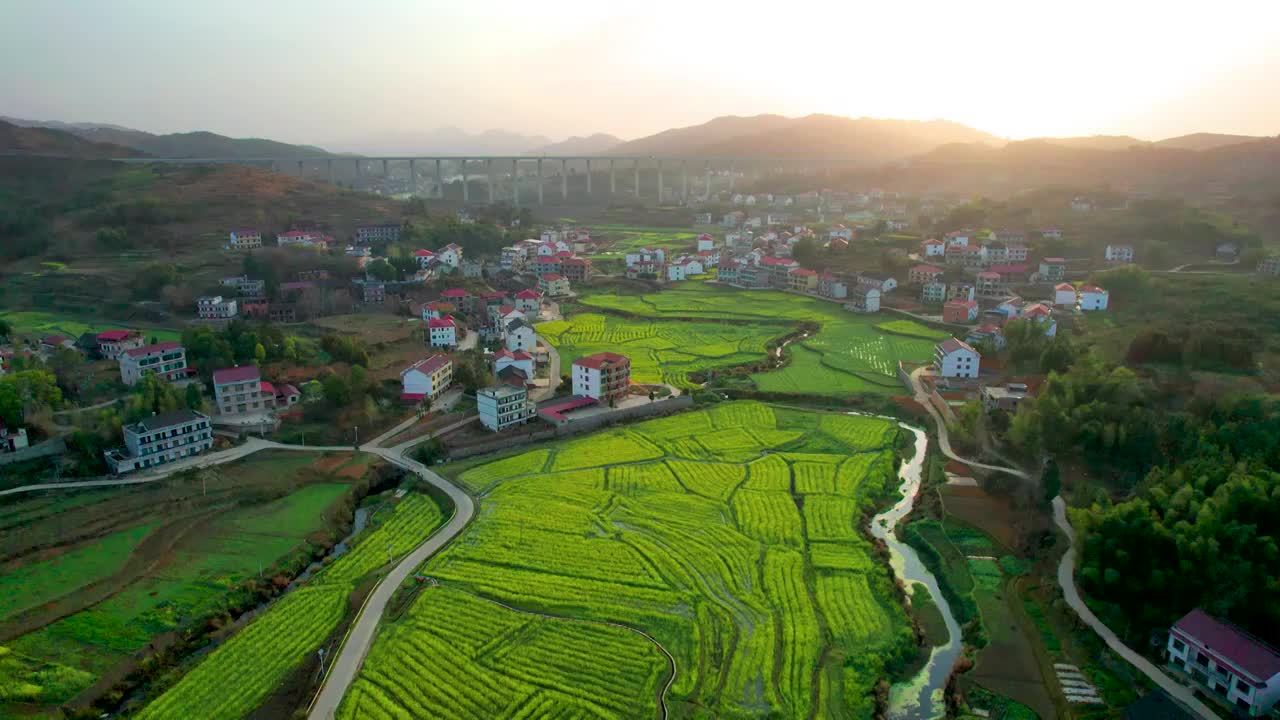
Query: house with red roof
{"points": [[832, 286], [238, 390], [1042, 315], [459, 298], [802, 280], [1064, 295], [426, 378], [505, 358], [54, 342], [1232, 665], [990, 285], [113, 342], [424, 257], [1093, 298], [933, 247], [451, 255], [956, 359], [529, 301], [1053, 269], [575, 269], [605, 376], [442, 332]]}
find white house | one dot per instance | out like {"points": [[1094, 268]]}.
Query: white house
{"points": [[1064, 295], [215, 307], [503, 406], [1119, 253], [505, 358], [605, 376], [840, 232], [245, 239], [426, 378], [934, 248], [161, 439], [529, 301], [520, 335], [167, 359], [1093, 297], [863, 299], [1230, 663], [451, 255], [955, 358], [442, 332], [880, 281], [424, 257], [706, 242], [1041, 314]]}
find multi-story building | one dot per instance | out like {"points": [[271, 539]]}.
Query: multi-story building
{"points": [[520, 335], [529, 301], [1017, 253], [245, 240], [1064, 295], [519, 359], [1269, 265], [113, 342], [960, 311], [1119, 253], [802, 280], [575, 269], [778, 270], [934, 292], [1235, 667], [426, 378], [863, 299], [383, 233], [832, 286], [960, 290], [553, 284], [604, 376], [991, 285], [373, 292], [955, 358], [450, 255], [934, 248], [216, 307], [167, 359], [503, 406], [12, 440], [921, 274], [1053, 269], [238, 390], [970, 256], [1093, 298], [161, 439], [442, 332]]}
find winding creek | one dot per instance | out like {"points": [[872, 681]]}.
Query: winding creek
{"points": [[920, 698]]}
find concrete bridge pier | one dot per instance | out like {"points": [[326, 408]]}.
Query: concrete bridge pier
{"points": [[588, 176], [515, 181], [385, 173], [659, 181], [564, 179], [439, 180], [466, 188], [636, 169], [540, 188], [413, 177], [492, 199], [301, 170], [330, 164], [706, 190], [613, 179], [684, 182]]}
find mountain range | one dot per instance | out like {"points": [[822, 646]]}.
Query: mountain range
{"points": [[188, 144]]}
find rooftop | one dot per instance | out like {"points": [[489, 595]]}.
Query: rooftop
{"points": [[149, 349], [441, 322], [113, 335], [167, 420], [951, 345], [599, 360], [429, 365], [236, 374], [1255, 658]]}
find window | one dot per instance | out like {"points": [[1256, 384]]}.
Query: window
{"points": [[1179, 646], [1202, 660], [1242, 686]]}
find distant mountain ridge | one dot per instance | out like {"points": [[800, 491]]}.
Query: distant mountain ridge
{"points": [[444, 141], [188, 144], [596, 144], [855, 141], [51, 142]]}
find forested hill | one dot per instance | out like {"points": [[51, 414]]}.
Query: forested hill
{"points": [[46, 142]]}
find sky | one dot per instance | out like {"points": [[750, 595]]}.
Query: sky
{"points": [[340, 74]]}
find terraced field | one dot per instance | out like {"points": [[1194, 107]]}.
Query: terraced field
{"points": [[660, 350], [715, 535], [850, 354], [237, 677]]}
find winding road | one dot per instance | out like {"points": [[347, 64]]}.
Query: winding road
{"points": [[1067, 568]]}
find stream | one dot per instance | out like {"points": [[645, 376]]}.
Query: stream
{"points": [[921, 697]]}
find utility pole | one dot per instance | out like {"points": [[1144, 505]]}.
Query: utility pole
{"points": [[357, 429]]}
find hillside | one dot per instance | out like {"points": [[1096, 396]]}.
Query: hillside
{"points": [[188, 144], [16, 140], [1097, 142], [1206, 141], [861, 141], [596, 144], [441, 141]]}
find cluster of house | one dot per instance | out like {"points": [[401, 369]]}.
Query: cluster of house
{"points": [[248, 239], [554, 259], [496, 315], [661, 264]]}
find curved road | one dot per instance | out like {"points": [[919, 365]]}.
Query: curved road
{"points": [[1066, 572]]}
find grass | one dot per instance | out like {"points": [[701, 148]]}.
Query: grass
{"points": [[660, 351], [671, 543], [30, 585], [34, 322], [212, 557]]}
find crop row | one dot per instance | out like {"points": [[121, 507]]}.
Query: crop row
{"points": [[414, 519], [785, 585], [770, 517], [708, 479], [853, 614]]}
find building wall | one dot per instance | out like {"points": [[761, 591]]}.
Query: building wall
{"points": [[958, 363]]}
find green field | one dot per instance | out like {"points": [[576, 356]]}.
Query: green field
{"points": [[237, 677], [850, 354], [73, 326], [626, 238], [700, 530], [211, 558], [660, 350]]}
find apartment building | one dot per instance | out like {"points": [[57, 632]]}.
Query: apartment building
{"points": [[161, 439]]}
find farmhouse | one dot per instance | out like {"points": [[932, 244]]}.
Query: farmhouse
{"points": [[451, 255], [986, 332], [529, 301], [727, 271], [971, 256], [166, 359], [424, 258], [503, 406], [956, 359], [238, 390], [1093, 298], [459, 298], [934, 292], [1064, 295], [214, 307], [577, 270], [779, 270], [863, 299], [802, 280], [426, 378], [1051, 233], [1041, 314], [1004, 397], [442, 332], [381, 233], [245, 240], [961, 290], [1053, 269], [921, 274], [830, 285], [990, 285], [1231, 664], [12, 440], [880, 281], [1269, 265], [960, 311], [113, 342], [1119, 253], [505, 358], [160, 439], [604, 376], [520, 335], [934, 248], [553, 284]]}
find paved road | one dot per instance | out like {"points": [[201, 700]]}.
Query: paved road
{"points": [[345, 667], [553, 373], [1067, 580], [1066, 573]]}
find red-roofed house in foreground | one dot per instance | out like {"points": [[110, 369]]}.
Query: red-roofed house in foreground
{"points": [[426, 378], [238, 390], [604, 376], [442, 332], [113, 342], [167, 359], [1235, 666]]}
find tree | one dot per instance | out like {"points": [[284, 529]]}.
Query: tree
{"points": [[152, 279], [24, 391], [152, 395], [259, 353], [337, 391], [382, 270], [113, 239], [6, 329], [194, 397]]}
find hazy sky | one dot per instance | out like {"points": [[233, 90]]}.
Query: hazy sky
{"points": [[338, 72]]}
